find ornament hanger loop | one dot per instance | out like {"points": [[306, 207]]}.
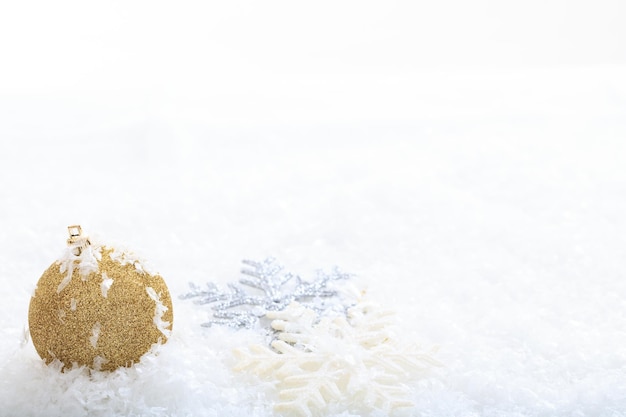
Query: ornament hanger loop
{"points": [[77, 241]]}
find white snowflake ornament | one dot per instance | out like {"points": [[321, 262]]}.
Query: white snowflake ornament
{"points": [[351, 362]]}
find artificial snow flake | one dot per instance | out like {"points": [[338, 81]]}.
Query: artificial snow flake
{"points": [[86, 260], [351, 361], [266, 287]]}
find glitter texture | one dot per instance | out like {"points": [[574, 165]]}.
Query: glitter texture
{"points": [[80, 325], [268, 287]]}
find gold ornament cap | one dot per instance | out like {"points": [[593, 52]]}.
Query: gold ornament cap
{"points": [[98, 306]]}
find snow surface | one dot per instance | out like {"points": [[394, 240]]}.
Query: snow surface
{"points": [[468, 167]]}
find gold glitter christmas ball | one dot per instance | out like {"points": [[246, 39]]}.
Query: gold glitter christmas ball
{"points": [[98, 306]]}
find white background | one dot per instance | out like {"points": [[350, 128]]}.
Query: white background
{"points": [[465, 159]]}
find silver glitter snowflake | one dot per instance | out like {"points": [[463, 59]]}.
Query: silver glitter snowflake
{"points": [[267, 287]]}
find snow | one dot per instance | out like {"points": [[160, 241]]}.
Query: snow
{"points": [[159, 309], [105, 285], [95, 335], [126, 257], [87, 262], [466, 162]]}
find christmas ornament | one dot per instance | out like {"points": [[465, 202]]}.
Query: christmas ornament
{"points": [[267, 287], [342, 362], [98, 306]]}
